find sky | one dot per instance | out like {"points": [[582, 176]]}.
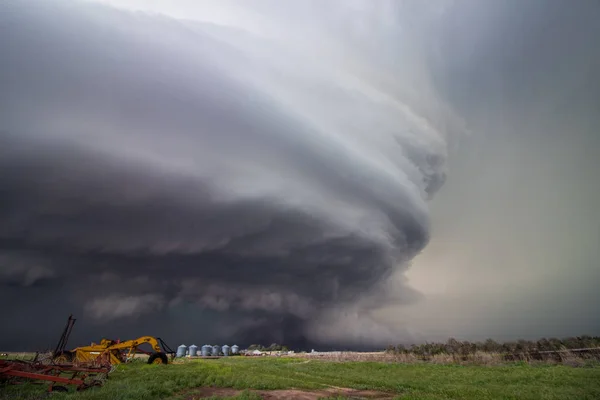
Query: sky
{"points": [[342, 174]]}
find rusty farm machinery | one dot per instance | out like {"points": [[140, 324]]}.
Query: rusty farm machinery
{"points": [[85, 366], [16, 371]]}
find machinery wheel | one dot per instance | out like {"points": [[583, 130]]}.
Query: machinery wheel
{"points": [[64, 357], [158, 358]]}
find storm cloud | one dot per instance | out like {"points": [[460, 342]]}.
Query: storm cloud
{"points": [[263, 170], [514, 250], [155, 168]]}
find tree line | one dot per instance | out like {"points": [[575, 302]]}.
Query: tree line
{"points": [[453, 346], [272, 347]]}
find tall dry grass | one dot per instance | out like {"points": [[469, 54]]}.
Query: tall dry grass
{"points": [[565, 357]]}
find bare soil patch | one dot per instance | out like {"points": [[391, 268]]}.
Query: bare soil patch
{"points": [[206, 392]]}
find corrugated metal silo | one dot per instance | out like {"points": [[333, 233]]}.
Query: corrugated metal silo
{"points": [[225, 350], [181, 350], [235, 349], [193, 350], [215, 350], [206, 350]]}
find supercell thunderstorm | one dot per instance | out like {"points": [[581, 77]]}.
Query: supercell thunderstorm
{"points": [[239, 184]]}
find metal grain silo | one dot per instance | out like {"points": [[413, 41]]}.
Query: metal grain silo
{"points": [[225, 350], [181, 350], [215, 350], [235, 349], [206, 350], [193, 349]]}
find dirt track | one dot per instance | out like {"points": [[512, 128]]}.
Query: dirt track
{"points": [[202, 393]]}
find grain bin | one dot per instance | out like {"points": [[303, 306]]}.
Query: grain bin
{"points": [[235, 349], [215, 350], [181, 350], [193, 349], [225, 350], [206, 350]]}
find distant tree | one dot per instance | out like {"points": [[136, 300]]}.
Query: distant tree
{"points": [[571, 343], [555, 344], [524, 346], [491, 346], [543, 345], [273, 347], [401, 349], [466, 348], [521, 346], [509, 347], [452, 346]]}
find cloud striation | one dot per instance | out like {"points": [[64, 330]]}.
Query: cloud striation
{"points": [[242, 184]]}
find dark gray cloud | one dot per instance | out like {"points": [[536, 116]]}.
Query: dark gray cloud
{"points": [[217, 181]]}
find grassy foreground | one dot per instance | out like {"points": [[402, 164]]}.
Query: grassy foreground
{"points": [[406, 381]]}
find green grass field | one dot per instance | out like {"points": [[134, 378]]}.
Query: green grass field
{"points": [[400, 381]]}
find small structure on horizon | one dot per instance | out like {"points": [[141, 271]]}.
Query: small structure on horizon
{"points": [[181, 351], [225, 350]]}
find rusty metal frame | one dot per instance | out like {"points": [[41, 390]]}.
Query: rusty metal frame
{"points": [[52, 373]]}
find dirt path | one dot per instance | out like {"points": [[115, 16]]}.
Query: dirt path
{"points": [[206, 392]]}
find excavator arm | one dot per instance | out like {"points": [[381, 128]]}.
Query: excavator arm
{"points": [[118, 352], [128, 344], [111, 351]]}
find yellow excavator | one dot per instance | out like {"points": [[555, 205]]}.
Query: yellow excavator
{"points": [[111, 351]]}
